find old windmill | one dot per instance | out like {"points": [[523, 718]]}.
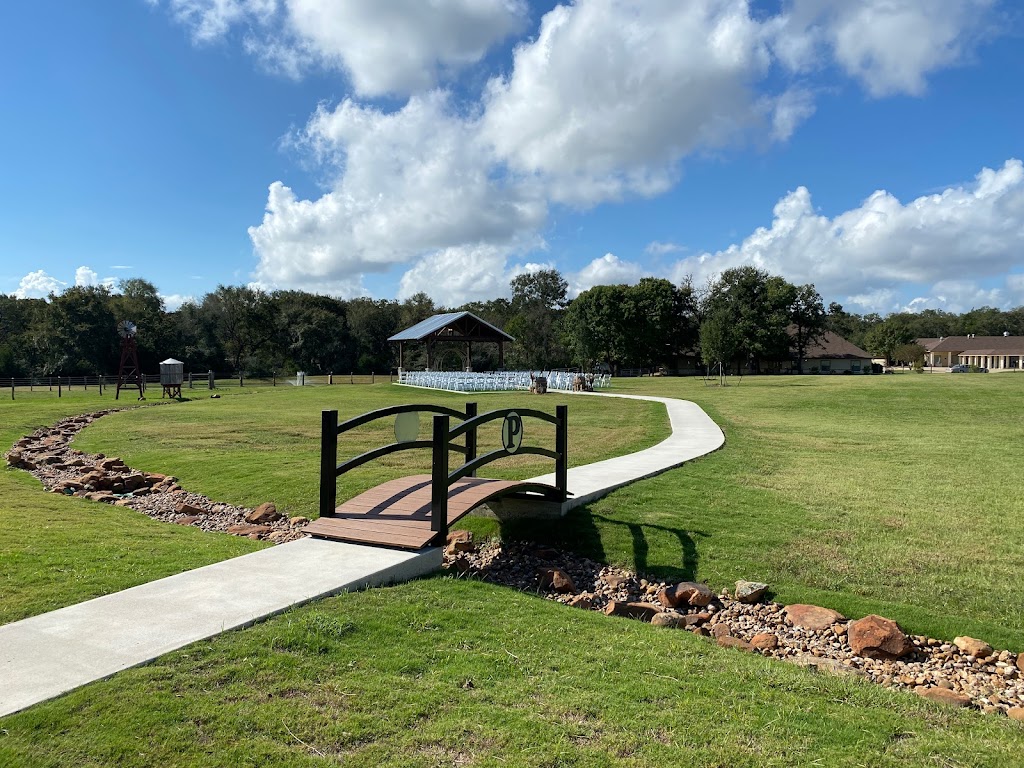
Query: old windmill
{"points": [[129, 373]]}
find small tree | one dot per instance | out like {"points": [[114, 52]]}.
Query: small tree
{"points": [[719, 341], [912, 354]]}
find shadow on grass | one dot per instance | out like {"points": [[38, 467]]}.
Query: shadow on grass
{"points": [[592, 535]]}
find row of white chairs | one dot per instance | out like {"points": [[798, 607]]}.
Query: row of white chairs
{"points": [[499, 381]]}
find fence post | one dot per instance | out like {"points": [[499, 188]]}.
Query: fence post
{"points": [[351, 378], [330, 377], [12, 388], [439, 479], [328, 462], [59, 392], [562, 449], [373, 377], [190, 379], [209, 376], [101, 384], [240, 382], [471, 412], [275, 377]]}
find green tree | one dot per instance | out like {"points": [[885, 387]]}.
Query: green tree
{"points": [[719, 341], [660, 317], [372, 322], [76, 334], [807, 321], [596, 328], [758, 305], [883, 338], [538, 302], [241, 320]]}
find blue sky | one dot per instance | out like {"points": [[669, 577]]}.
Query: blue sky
{"points": [[380, 148]]}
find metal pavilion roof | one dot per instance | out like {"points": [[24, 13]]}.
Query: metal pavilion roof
{"points": [[433, 326]]}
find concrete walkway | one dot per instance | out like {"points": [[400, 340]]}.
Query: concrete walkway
{"points": [[693, 434], [44, 656]]}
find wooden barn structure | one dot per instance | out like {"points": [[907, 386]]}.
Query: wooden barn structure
{"points": [[461, 328]]}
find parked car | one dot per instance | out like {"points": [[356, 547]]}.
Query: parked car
{"points": [[960, 369]]}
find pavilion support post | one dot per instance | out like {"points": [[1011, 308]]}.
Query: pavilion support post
{"points": [[562, 449], [328, 463], [439, 479], [469, 357], [401, 355], [471, 444]]}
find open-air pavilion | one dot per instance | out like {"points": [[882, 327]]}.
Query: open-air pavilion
{"points": [[457, 328]]}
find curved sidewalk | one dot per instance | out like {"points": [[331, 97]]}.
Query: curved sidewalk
{"points": [[694, 434], [44, 656]]}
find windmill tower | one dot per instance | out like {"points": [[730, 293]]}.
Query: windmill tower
{"points": [[129, 373]]}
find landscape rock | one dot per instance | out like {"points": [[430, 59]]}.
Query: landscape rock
{"points": [[188, 519], [727, 641], [686, 593], [943, 696], [246, 529], [189, 509], [1016, 713], [556, 579], [298, 521], [825, 665], [973, 647], [721, 630], [583, 600], [458, 535], [812, 617], [765, 641], [263, 514], [878, 638], [670, 620], [750, 591]]}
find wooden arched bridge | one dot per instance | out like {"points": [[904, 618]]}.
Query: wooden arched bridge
{"points": [[416, 511]]}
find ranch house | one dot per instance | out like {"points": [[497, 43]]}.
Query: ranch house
{"points": [[996, 353]]}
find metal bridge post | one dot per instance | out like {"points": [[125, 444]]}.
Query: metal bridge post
{"points": [[439, 479], [471, 413], [562, 449], [328, 463]]}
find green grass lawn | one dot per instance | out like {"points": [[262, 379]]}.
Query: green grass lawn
{"points": [[890, 494], [445, 672], [56, 551]]}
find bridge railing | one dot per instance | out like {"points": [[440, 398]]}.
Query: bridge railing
{"points": [[330, 470], [511, 436], [441, 445]]}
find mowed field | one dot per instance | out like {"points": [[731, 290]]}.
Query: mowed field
{"points": [[888, 494]]}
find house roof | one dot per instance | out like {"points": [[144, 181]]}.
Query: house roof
{"points": [[832, 346], [452, 326], [981, 345], [928, 344]]}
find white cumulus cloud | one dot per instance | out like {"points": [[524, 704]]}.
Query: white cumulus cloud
{"points": [[605, 100], [412, 183], [970, 232], [38, 285], [393, 47], [605, 270]]}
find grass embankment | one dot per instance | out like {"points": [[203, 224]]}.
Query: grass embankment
{"points": [[57, 551], [442, 672]]}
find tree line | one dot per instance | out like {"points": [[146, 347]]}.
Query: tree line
{"points": [[747, 319]]}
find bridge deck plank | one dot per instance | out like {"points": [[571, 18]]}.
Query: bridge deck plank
{"points": [[396, 513]]}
